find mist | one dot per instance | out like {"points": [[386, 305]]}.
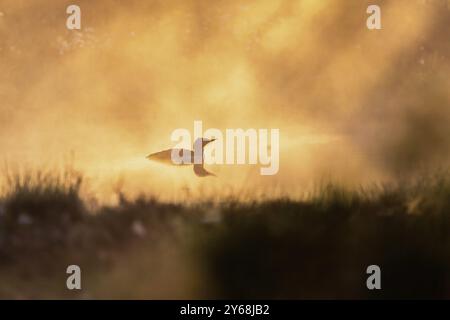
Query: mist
{"points": [[352, 105]]}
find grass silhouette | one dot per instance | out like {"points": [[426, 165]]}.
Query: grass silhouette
{"points": [[318, 247]]}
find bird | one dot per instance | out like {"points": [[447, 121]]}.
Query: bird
{"points": [[186, 156]]}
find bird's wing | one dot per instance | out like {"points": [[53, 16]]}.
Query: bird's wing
{"points": [[165, 156], [200, 171]]}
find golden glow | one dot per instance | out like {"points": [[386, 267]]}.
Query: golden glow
{"points": [[346, 100]]}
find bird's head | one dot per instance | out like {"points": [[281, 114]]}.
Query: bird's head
{"points": [[203, 142]]}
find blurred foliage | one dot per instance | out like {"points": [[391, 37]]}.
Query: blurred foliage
{"points": [[318, 247]]}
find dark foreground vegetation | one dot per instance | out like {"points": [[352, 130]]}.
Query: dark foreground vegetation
{"points": [[319, 247]]}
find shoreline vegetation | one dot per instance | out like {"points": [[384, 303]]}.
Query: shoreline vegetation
{"points": [[318, 247]]}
